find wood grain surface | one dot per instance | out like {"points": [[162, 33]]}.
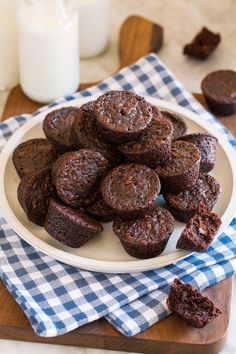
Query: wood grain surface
{"points": [[138, 36]]}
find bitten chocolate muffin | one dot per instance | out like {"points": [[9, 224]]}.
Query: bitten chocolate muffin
{"points": [[76, 173], [71, 227], [33, 156], [179, 126], [152, 147], [181, 171], [199, 231], [87, 135], [57, 127], [101, 211], [203, 44], [146, 237], [219, 90], [184, 205], [190, 305], [206, 143], [122, 115], [34, 192], [131, 190]]}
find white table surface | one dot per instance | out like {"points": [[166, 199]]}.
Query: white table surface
{"points": [[181, 20]]}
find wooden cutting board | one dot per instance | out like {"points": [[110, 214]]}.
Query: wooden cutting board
{"points": [[138, 37]]}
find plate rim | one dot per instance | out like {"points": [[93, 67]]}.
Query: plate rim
{"points": [[108, 266]]}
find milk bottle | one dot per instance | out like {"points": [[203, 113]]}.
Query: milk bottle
{"points": [[9, 75], [48, 39]]}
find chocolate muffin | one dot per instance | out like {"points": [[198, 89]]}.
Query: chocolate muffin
{"points": [[184, 205], [179, 126], [181, 171], [86, 135], [219, 90], [131, 190], [93, 196], [152, 147], [57, 127], [101, 211], [33, 156], [122, 115], [199, 231], [71, 227], [34, 192], [203, 44], [76, 173], [189, 304], [206, 143], [146, 237]]}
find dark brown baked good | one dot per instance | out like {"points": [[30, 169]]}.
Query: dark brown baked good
{"points": [[146, 237], [131, 190], [184, 205], [57, 127], [190, 305], [87, 135], [152, 147], [181, 171], [122, 115], [179, 126], [33, 156], [199, 231], [75, 173], [71, 227], [34, 192], [206, 143], [219, 90], [203, 44], [101, 211]]}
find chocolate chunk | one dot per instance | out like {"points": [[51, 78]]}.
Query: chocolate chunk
{"points": [[122, 115], [190, 305], [34, 193], [203, 44], [146, 237], [131, 190], [34, 156], [219, 90], [184, 205], [200, 231], [70, 226]]}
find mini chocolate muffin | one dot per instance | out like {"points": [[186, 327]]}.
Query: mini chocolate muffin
{"points": [[199, 231], [93, 196], [131, 190], [69, 226], [190, 305], [219, 90], [184, 205], [152, 147], [86, 135], [206, 143], [122, 115], [156, 113], [146, 237], [34, 192], [101, 211], [57, 127], [33, 156], [75, 173], [179, 126], [181, 171]]}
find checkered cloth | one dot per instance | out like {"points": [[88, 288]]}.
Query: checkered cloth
{"points": [[58, 298]]}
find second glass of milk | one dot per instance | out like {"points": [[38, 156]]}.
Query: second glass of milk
{"points": [[48, 39]]}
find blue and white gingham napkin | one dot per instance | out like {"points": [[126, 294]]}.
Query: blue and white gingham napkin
{"points": [[58, 298]]}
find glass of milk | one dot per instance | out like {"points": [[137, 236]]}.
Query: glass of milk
{"points": [[9, 76], [93, 26], [48, 39]]}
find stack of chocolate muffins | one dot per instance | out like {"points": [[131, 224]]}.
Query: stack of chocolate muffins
{"points": [[108, 161]]}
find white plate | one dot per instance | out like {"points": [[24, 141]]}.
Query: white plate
{"points": [[104, 253]]}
